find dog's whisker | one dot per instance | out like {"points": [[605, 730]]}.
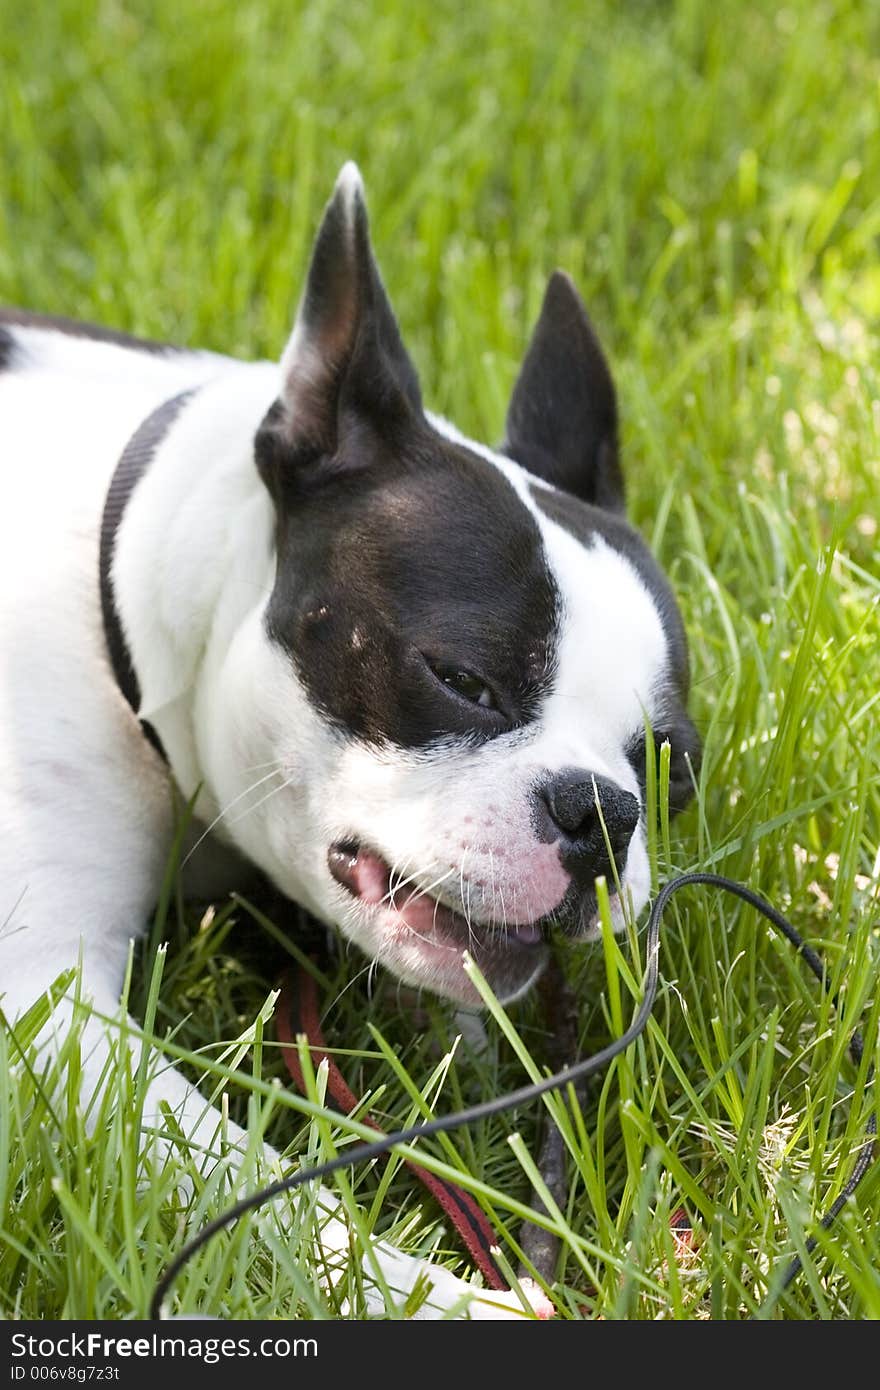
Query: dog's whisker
{"points": [[420, 892], [373, 973], [494, 889], [465, 894], [397, 881], [358, 975], [504, 919], [427, 891], [275, 771], [288, 782], [466, 899], [258, 767]]}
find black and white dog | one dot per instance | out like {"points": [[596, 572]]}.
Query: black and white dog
{"points": [[404, 674]]}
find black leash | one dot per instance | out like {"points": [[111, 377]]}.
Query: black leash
{"points": [[578, 1071]]}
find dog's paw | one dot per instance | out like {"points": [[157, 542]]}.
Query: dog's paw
{"points": [[492, 1306], [440, 1294]]}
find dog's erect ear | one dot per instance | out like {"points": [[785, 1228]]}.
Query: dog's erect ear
{"points": [[345, 354], [562, 419]]}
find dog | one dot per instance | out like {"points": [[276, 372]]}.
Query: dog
{"points": [[405, 675]]}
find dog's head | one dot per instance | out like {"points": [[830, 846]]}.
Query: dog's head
{"points": [[467, 641]]}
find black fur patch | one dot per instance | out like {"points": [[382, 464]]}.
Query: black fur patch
{"points": [[7, 348], [73, 328], [407, 556], [348, 357], [562, 418]]}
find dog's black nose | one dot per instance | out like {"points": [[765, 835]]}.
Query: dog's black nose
{"points": [[567, 809]]}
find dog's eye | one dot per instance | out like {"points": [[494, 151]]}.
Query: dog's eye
{"points": [[469, 687], [465, 684]]}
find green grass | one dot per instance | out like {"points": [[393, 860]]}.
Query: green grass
{"points": [[709, 174]]}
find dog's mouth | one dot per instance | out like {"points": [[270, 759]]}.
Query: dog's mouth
{"points": [[424, 938]]}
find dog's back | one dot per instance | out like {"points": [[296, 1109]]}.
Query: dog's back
{"points": [[70, 396]]}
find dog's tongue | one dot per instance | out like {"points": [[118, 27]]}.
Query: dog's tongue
{"points": [[362, 873]]}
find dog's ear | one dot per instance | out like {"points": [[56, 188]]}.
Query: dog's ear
{"points": [[345, 357], [562, 418]]}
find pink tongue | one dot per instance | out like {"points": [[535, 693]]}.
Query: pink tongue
{"points": [[362, 873]]}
